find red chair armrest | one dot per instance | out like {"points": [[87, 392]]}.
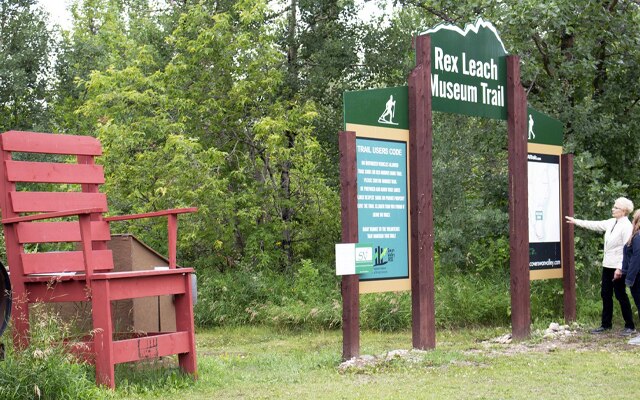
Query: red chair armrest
{"points": [[173, 211], [57, 214], [172, 227]]}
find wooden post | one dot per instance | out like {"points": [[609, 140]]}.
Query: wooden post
{"points": [[92, 188], [184, 323], [568, 260], [103, 333], [349, 215], [518, 207], [20, 299], [172, 236], [421, 188]]}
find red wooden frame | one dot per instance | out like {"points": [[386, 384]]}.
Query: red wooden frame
{"points": [[84, 274]]}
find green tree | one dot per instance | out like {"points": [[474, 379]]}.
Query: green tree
{"points": [[210, 126], [579, 64], [25, 43]]}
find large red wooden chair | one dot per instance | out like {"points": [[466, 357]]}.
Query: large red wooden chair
{"points": [[31, 218]]}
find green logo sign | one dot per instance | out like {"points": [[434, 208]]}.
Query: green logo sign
{"points": [[364, 258], [468, 70]]}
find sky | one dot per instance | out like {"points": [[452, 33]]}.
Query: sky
{"points": [[59, 13]]}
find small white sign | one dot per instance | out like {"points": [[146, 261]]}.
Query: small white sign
{"points": [[345, 259]]}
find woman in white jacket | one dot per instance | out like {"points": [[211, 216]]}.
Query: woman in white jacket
{"points": [[617, 231]]}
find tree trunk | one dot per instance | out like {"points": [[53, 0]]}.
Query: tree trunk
{"points": [[285, 177]]}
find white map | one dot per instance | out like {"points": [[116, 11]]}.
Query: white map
{"points": [[544, 202]]}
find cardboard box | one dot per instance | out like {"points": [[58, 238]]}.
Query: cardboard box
{"points": [[146, 314]]}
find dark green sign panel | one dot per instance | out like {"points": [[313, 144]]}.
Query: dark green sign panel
{"points": [[542, 129], [468, 70], [387, 107]]}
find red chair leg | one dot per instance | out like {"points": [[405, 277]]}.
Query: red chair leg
{"points": [[103, 333], [184, 322], [20, 318]]}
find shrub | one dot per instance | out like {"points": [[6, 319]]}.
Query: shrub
{"points": [[242, 296], [386, 311], [311, 298]]}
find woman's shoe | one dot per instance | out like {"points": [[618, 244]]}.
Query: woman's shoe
{"points": [[599, 330]]}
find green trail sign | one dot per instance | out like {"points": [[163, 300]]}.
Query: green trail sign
{"points": [[468, 70], [384, 107], [542, 129]]}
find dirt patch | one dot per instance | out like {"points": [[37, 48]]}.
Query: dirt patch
{"points": [[555, 338]]}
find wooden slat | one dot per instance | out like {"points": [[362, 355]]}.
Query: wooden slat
{"points": [[64, 261], [49, 143], [45, 232], [54, 290], [144, 283], [51, 215], [25, 171], [54, 201], [150, 347]]}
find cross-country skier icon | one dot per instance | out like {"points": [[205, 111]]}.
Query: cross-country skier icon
{"points": [[389, 112]]}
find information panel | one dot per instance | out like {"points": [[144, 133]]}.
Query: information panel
{"points": [[544, 211], [382, 206]]}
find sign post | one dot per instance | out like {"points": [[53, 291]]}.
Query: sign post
{"points": [[568, 262], [422, 233], [518, 220], [349, 215]]}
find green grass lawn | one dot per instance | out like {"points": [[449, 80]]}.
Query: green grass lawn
{"points": [[263, 363]]}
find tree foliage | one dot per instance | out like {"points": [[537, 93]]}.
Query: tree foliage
{"points": [[234, 106], [210, 126], [25, 44]]}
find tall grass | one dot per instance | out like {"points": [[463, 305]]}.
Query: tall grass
{"points": [[47, 370], [44, 369]]}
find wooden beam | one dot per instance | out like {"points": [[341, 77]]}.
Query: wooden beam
{"points": [[151, 346], [568, 260], [421, 192], [518, 201], [349, 215]]}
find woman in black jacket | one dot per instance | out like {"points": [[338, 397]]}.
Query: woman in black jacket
{"points": [[631, 263]]}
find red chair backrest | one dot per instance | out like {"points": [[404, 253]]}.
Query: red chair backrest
{"points": [[21, 184]]}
